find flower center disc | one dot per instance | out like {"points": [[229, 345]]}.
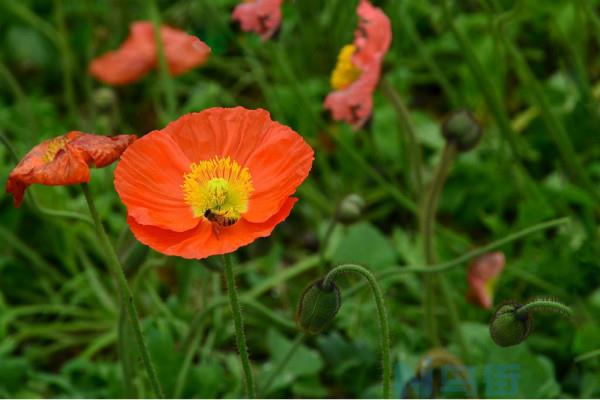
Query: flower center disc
{"points": [[218, 190], [345, 71], [54, 146]]}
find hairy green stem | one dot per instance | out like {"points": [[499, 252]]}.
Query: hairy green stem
{"points": [[544, 305], [325, 241], [383, 318], [413, 149], [428, 233], [238, 321], [114, 264]]}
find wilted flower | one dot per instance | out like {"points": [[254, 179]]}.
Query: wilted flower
{"points": [[138, 54], [65, 160], [358, 68], [260, 16], [211, 182], [483, 275]]}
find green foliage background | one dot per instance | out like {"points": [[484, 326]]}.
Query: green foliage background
{"points": [[59, 314]]}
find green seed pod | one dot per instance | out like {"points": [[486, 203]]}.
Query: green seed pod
{"points": [[462, 129], [317, 307], [350, 209], [507, 328]]}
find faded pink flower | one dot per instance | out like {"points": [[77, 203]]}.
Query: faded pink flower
{"points": [[483, 275], [260, 16], [358, 68]]}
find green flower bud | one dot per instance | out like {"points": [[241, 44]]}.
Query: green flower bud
{"points": [[317, 307], [462, 129], [509, 328], [104, 97], [350, 209]]}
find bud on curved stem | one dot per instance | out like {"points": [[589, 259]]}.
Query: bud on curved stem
{"points": [[381, 311], [318, 306], [462, 129], [512, 322]]}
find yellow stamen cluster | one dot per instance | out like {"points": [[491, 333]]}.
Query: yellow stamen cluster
{"points": [[218, 189], [54, 146], [489, 287], [345, 71]]}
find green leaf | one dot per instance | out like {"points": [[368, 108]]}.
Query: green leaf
{"points": [[364, 244]]}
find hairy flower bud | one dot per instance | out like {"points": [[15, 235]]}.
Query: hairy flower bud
{"points": [[350, 209], [318, 306], [507, 328], [462, 129]]}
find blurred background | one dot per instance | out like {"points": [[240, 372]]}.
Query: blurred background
{"points": [[525, 68]]}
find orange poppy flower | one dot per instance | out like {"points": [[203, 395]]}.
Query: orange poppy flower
{"points": [[483, 275], [138, 54], [260, 16], [65, 160], [212, 181], [358, 68]]}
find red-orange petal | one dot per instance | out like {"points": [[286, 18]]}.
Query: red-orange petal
{"points": [[182, 51], [275, 176], [204, 240], [221, 132], [67, 164], [134, 59], [100, 151], [138, 55], [148, 179]]}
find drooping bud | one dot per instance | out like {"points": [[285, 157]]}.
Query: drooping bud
{"points": [[509, 328], [350, 209], [462, 129], [318, 306]]}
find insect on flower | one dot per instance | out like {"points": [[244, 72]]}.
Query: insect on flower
{"points": [[211, 182], [358, 68], [65, 160], [138, 54]]}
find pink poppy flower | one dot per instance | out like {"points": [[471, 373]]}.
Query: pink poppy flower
{"points": [[483, 275], [260, 16], [354, 103], [138, 55], [358, 68]]}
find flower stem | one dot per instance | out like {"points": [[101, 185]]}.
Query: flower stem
{"points": [[544, 305], [238, 321], [325, 242], [125, 292], [414, 152], [427, 230], [165, 78], [383, 319]]}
